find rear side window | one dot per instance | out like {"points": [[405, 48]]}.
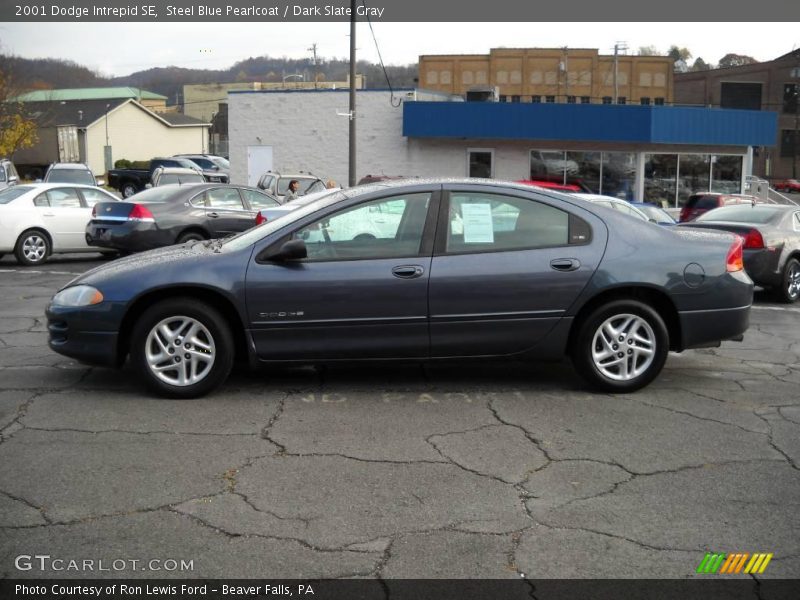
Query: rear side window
{"points": [[490, 222], [64, 198], [92, 197]]}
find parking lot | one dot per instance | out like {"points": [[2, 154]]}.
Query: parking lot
{"points": [[457, 471]]}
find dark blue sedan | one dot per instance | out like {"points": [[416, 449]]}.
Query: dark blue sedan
{"points": [[421, 270]]}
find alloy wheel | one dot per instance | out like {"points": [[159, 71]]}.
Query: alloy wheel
{"points": [[623, 347], [34, 248], [180, 351]]}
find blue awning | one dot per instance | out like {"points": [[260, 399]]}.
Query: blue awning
{"points": [[590, 122]]}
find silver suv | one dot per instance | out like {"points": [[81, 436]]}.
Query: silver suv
{"points": [[277, 184], [8, 174], [71, 173]]}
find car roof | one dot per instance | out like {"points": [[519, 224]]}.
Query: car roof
{"points": [[42, 186], [80, 166], [177, 170]]}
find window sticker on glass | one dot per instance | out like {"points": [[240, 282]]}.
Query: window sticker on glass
{"points": [[477, 223]]}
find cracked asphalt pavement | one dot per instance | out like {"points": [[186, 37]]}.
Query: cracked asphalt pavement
{"points": [[497, 470]]}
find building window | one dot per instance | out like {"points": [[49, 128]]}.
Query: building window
{"points": [[515, 98], [645, 101], [432, 78], [537, 77], [788, 143], [480, 162], [606, 99], [550, 99], [444, 77], [551, 78], [585, 78], [536, 99], [466, 77], [502, 77], [790, 94], [516, 77], [622, 100], [645, 79], [480, 77], [740, 95], [659, 102], [660, 80], [586, 100], [570, 99], [503, 98]]}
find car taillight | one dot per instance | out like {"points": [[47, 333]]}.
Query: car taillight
{"points": [[260, 219], [735, 259], [684, 214], [140, 213], [753, 239]]}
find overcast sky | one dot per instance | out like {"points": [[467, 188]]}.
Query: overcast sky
{"points": [[121, 49]]}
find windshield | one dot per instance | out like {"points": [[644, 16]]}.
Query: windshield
{"points": [[222, 162], [70, 176], [12, 193], [203, 162], [251, 236], [742, 213]]}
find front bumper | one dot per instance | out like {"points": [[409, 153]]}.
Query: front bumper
{"points": [[85, 333]]}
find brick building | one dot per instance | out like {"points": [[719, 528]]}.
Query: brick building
{"points": [[552, 75], [768, 86]]}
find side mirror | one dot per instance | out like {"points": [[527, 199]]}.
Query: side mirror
{"points": [[12, 179], [291, 250], [147, 186]]}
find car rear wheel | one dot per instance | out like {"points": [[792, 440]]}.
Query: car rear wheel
{"points": [[182, 348], [33, 248], [789, 291], [621, 346], [128, 190]]}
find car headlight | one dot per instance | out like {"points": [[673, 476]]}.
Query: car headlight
{"points": [[78, 295]]}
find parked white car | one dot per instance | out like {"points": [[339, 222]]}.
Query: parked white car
{"points": [[40, 219], [615, 203]]}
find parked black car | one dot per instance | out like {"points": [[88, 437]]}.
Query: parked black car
{"points": [[174, 214], [771, 236], [455, 268]]}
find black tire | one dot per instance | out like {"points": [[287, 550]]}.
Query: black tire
{"points": [[32, 248], [612, 373], [190, 236], [211, 367], [789, 291], [128, 189]]}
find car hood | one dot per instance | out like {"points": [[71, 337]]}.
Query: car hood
{"points": [[161, 258]]}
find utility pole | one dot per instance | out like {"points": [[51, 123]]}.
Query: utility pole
{"points": [[617, 47], [352, 161], [313, 50]]}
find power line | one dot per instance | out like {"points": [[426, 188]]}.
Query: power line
{"points": [[380, 58]]}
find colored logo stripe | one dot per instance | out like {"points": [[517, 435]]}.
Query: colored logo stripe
{"points": [[734, 562]]}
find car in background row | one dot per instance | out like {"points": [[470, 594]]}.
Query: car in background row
{"points": [[555, 276], [622, 206], [270, 213], [8, 174], [697, 204], [277, 184], [656, 214], [551, 185], [41, 219], [130, 181], [174, 214], [71, 173], [787, 185], [771, 234], [176, 175], [210, 163]]}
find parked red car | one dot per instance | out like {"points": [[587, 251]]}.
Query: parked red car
{"points": [[697, 204], [787, 185], [551, 185]]}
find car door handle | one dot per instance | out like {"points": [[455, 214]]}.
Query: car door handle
{"points": [[408, 271], [48, 214], [213, 215], [565, 264]]}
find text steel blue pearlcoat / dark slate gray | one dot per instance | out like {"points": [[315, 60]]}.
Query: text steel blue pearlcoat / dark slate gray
{"points": [[528, 303]]}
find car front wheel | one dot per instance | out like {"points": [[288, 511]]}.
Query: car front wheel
{"points": [[128, 190], [621, 346], [182, 348]]}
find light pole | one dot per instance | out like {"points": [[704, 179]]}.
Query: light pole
{"points": [[107, 148], [352, 104]]}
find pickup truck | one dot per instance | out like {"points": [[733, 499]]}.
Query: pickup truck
{"points": [[130, 181]]}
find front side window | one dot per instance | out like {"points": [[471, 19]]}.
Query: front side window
{"points": [[385, 228], [489, 222]]}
